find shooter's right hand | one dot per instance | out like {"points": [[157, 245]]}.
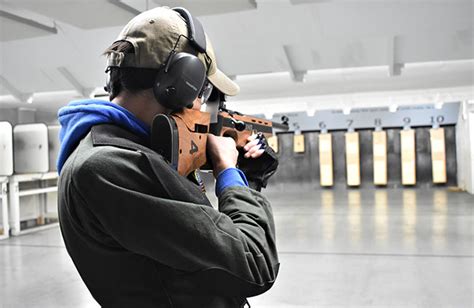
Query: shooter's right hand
{"points": [[222, 152]]}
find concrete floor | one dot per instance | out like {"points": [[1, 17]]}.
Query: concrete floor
{"points": [[338, 248]]}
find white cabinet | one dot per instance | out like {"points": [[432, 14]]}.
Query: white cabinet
{"points": [[31, 153], [6, 149]]}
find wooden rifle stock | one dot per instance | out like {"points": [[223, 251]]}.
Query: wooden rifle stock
{"points": [[181, 137]]}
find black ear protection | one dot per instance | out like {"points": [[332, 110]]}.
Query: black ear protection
{"points": [[180, 80], [108, 86]]}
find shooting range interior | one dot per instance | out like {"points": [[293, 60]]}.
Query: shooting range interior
{"points": [[373, 197]]}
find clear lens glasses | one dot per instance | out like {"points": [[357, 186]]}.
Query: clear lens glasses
{"points": [[206, 92]]}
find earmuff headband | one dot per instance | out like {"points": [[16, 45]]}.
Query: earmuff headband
{"points": [[195, 30]]}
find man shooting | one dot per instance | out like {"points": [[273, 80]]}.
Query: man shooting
{"points": [[140, 234]]}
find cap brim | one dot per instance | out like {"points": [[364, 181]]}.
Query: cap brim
{"points": [[224, 83]]}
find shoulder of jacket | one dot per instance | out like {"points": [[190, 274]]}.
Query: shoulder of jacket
{"points": [[104, 158], [113, 135], [112, 157]]}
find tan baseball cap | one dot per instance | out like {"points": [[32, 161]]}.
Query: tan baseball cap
{"points": [[153, 35]]}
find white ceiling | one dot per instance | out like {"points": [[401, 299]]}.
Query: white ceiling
{"points": [[55, 45]]}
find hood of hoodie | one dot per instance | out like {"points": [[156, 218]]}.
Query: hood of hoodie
{"points": [[78, 117]]}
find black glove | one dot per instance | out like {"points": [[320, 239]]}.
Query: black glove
{"points": [[259, 170]]}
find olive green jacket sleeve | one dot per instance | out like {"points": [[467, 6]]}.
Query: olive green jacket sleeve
{"points": [[231, 251]]}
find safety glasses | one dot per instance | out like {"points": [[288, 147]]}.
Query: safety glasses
{"points": [[205, 92]]}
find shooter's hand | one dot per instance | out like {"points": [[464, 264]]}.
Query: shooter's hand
{"points": [[258, 161], [222, 152], [254, 147]]}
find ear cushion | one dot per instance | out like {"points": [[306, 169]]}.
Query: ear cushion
{"points": [[108, 86], [178, 84]]}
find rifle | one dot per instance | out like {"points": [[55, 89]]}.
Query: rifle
{"points": [[181, 137]]}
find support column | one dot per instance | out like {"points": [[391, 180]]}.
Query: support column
{"points": [[13, 193]]}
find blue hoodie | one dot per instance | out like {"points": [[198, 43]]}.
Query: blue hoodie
{"points": [[79, 116]]}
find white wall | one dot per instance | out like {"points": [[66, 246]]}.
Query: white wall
{"points": [[18, 115], [27, 115], [9, 115], [465, 147], [47, 117], [471, 149], [310, 104]]}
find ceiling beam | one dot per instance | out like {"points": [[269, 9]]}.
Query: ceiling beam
{"points": [[299, 76], [253, 3], [296, 75], [394, 68], [86, 92], [270, 4], [21, 96], [296, 2], [124, 6], [28, 21]]}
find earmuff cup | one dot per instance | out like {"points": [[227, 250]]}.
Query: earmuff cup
{"points": [[178, 84], [180, 80]]}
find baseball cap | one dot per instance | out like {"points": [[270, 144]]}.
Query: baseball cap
{"points": [[153, 35]]}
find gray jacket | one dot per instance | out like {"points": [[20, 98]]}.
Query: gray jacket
{"points": [[141, 235]]}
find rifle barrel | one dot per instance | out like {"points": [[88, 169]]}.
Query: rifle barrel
{"points": [[280, 126]]}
